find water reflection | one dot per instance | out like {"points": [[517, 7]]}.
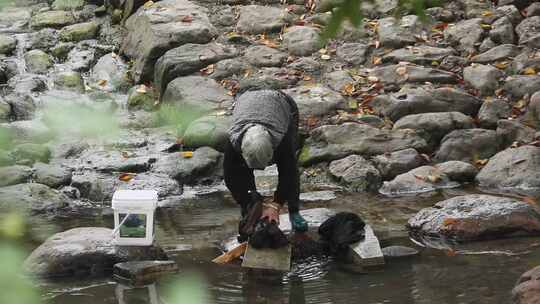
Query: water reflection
{"points": [[146, 294]]}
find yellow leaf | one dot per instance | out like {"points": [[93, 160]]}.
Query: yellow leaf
{"points": [[325, 57], [501, 65], [307, 78], [102, 82], [148, 3], [487, 13], [401, 70], [376, 60], [187, 154], [373, 79], [126, 177], [485, 26], [529, 71]]}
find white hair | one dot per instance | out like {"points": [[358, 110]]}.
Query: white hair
{"points": [[257, 147]]}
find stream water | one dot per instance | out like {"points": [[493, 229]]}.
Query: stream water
{"points": [[481, 272]]}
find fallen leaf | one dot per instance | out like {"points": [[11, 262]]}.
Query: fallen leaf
{"points": [[419, 177], [323, 51], [141, 89], [376, 60], [530, 200], [187, 19], [501, 65], [148, 3], [307, 78], [102, 82], [187, 154], [433, 178], [449, 221], [325, 57], [451, 252], [348, 89], [126, 177], [529, 71], [485, 26], [402, 70], [208, 70], [373, 79], [480, 162]]}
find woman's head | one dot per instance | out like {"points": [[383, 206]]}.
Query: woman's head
{"points": [[257, 147]]}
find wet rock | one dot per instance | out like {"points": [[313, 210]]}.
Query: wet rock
{"points": [[210, 131], [392, 164], [316, 101], [113, 161], [54, 19], [476, 217], [395, 34], [6, 159], [441, 14], [500, 52], [533, 9], [142, 97], [511, 12], [229, 67], [422, 54], [94, 186], [420, 100], [502, 31], [400, 74], [420, 180], [204, 162], [68, 5], [110, 74], [61, 50], [15, 17], [24, 131], [458, 171], [79, 32], [465, 34], [165, 186], [37, 61], [263, 80], [392, 252], [526, 59], [22, 106], [353, 53], [372, 120], [302, 40], [491, 111], [255, 19], [356, 173], [529, 30], [31, 153], [33, 198], [486, 45], [7, 44], [81, 58], [521, 85], [163, 32], [484, 78], [337, 80], [468, 145], [475, 8], [511, 131], [516, 169], [51, 175], [224, 17], [144, 271], [44, 39], [84, 251], [527, 289], [5, 110], [307, 65], [532, 116], [263, 56], [196, 92], [188, 59], [13, 175], [317, 196], [434, 126], [69, 80], [332, 142]]}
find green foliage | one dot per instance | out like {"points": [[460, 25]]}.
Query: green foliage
{"points": [[176, 117], [190, 289], [4, 3]]}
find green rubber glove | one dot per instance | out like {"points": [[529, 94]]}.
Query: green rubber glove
{"points": [[298, 223]]}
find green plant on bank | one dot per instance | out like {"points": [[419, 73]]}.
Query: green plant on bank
{"points": [[177, 118]]}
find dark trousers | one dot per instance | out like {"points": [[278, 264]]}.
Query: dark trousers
{"points": [[240, 180]]}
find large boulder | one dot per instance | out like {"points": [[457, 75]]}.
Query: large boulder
{"points": [[7, 44], [502, 31], [54, 19], [532, 117], [53, 176], [514, 169], [263, 56], [476, 217], [13, 175], [458, 171], [317, 100], [110, 73], [399, 74], [500, 52], [302, 40], [420, 180], [80, 31], [527, 289], [37, 61], [529, 30], [520, 85], [188, 59], [353, 52], [164, 25], [69, 80], [491, 111], [332, 142], [511, 132], [210, 131], [397, 33], [84, 251], [468, 145], [356, 173], [465, 34], [32, 198], [484, 78], [392, 164], [204, 163], [197, 92], [420, 100], [255, 19]]}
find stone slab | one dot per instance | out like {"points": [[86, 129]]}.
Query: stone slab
{"points": [[367, 252], [273, 259]]}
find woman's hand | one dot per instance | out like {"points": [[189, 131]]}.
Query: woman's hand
{"points": [[271, 212]]}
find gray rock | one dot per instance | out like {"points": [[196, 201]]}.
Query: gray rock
{"points": [[113, 161], [188, 59], [37, 61], [165, 186], [528, 29], [69, 80], [15, 17], [267, 78], [533, 9], [317, 196], [526, 59], [14, 175], [32, 198], [80, 31], [54, 19], [434, 126], [84, 251], [511, 131], [224, 17], [528, 284], [511, 12], [144, 271], [468, 145], [476, 217], [532, 116], [7, 44], [353, 52], [81, 59], [51, 175], [399, 74], [199, 93], [394, 34], [332, 142], [475, 8], [302, 40], [392, 252], [163, 32], [420, 180], [44, 39], [71, 192], [68, 5], [356, 173], [110, 74], [521, 85], [372, 120], [61, 50], [465, 34], [484, 78], [31, 153], [210, 131], [420, 100], [486, 45], [229, 67], [337, 80], [422, 54], [306, 64], [203, 164], [6, 159], [458, 171], [263, 56], [502, 31], [500, 52], [24, 131], [491, 111], [317, 101], [255, 19], [393, 164]]}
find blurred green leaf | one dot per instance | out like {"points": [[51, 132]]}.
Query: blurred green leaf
{"points": [[16, 289], [190, 289], [176, 117]]}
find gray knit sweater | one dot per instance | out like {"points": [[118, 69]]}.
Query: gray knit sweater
{"points": [[268, 108]]}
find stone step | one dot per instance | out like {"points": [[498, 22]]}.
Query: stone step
{"points": [[367, 252]]}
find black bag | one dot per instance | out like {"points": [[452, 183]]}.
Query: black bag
{"points": [[341, 230], [268, 235]]}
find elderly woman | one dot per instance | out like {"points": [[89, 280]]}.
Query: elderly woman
{"points": [[264, 131]]}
